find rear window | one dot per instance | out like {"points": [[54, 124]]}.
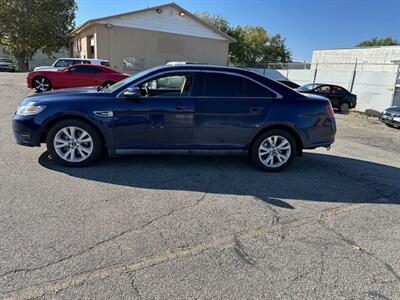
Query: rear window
{"points": [[253, 89]]}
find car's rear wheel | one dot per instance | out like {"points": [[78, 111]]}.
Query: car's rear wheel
{"points": [[41, 84], [74, 143], [274, 150], [344, 108]]}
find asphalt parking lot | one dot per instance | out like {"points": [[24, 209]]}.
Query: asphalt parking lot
{"points": [[181, 227]]}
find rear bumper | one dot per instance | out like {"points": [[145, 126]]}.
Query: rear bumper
{"points": [[320, 135]]}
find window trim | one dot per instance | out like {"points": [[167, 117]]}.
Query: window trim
{"points": [[194, 71]]}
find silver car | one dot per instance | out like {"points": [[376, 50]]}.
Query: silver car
{"points": [[7, 64]]}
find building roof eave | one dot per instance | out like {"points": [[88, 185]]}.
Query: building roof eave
{"points": [[213, 28]]}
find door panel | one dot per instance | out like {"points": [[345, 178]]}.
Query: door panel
{"points": [[157, 122], [227, 122], [230, 109], [161, 118]]}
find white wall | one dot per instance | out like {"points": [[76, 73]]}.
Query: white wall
{"points": [[367, 58], [374, 90]]}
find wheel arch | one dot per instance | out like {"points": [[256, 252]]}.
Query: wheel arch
{"points": [[290, 130], [50, 123]]}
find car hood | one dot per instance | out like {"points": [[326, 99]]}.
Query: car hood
{"points": [[393, 109], [44, 68], [72, 94]]}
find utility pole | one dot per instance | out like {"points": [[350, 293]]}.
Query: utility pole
{"points": [[315, 71], [354, 77], [397, 78]]}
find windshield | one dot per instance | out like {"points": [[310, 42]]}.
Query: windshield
{"points": [[126, 81], [307, 87]]}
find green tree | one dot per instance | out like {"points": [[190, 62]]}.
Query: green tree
{"points": [[387, 41], [216, 20], [254, 45], [29, 25]]}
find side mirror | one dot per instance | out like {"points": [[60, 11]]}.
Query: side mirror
{"points": [[132, 92]]}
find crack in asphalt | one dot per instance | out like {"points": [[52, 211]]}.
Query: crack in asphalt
{"points": [[170, 255], [149, 223], [348, 241], [244, 257]]}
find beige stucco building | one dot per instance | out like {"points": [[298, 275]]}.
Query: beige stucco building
{"points": [[154, 36]]}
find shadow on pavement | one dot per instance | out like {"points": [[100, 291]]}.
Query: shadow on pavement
{"points": [[313, 177]]}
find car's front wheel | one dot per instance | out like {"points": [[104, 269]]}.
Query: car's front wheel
{"points": [[41, 84], [274, 150], [344, 108], [74, 143]]}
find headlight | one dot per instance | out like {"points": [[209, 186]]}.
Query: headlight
{"points": [[28, 110]]}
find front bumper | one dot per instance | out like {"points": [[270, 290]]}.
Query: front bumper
{"points": [[26, 131], [390, 120], [7, 68]]}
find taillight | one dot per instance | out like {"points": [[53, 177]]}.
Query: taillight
{"points": [[329, 111]]}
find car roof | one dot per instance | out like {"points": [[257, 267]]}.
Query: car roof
{"points": [[205, 67], [272, 84], [90, 66], [78, 58]]}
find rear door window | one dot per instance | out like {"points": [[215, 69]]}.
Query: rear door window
{"points": [[223, 85], [338, 90]]}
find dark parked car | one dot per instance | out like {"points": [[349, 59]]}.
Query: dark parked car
{"points": [[289, 83], [391, 116], [187, 108], [340, 98]]}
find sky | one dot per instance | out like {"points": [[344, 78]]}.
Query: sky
{"points": [[305, 24]]}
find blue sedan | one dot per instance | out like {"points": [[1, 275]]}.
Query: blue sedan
{"points": [[181, 108]]}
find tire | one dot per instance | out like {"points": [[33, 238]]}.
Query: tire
{"points": [[64, 137], [276, 157], [344, 108], [41, 84]]}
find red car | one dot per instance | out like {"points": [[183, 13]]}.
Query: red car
{"points": [[73, 76]]}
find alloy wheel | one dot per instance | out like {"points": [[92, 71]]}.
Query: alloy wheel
{"points": [[42, 84], [73, 144], [274, 151]]}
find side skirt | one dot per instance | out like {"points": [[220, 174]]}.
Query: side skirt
{"points": [[118, 152]]}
